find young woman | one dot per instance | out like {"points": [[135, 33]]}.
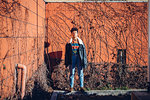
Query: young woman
{"points": [[75, 55]]}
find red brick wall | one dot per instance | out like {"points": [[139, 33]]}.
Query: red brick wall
{"points": [[103, 27], [22, 31]]}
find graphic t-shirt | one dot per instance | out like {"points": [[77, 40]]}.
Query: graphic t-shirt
{"points": [[75, 46]]}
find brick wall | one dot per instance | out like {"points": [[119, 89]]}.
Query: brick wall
{"points": [[93, 0], [104, 28], [22, 32]]}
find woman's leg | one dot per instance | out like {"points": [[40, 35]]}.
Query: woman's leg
{"points": [[80, 72], [72, 71]]}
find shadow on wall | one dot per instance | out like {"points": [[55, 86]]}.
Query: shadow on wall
{"points": [[53, 58]]}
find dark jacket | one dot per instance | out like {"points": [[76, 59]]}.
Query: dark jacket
{"points": [[82, 54]]}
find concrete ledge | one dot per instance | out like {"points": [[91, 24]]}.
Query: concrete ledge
{"points": [[97, 92], [140, 95], [102, 92]]}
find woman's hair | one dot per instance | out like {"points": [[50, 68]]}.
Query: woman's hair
{"points": [[74, 29]]}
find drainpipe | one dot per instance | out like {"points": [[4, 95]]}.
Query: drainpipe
{"points": [[148, 46], [23, 78]]}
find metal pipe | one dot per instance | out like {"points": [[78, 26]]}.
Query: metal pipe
{"points": [[23, 78]]}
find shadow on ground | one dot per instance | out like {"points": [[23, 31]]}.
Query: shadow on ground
{"points": [[38, 94]]}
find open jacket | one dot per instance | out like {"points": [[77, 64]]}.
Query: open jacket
{"points": [[81, 50]]}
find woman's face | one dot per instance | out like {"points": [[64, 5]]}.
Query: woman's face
{"points": [[74, 34]]}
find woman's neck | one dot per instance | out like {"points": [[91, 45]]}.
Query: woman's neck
{"points": [[74, 38]]}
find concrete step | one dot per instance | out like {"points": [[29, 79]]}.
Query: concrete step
{"points": [[140, 95], [96, 92]]}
